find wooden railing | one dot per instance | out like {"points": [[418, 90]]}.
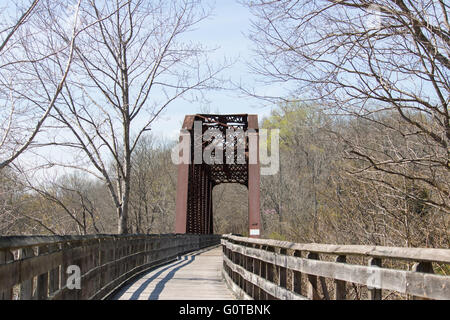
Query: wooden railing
{"points": [[36, 267], [269, 269]]}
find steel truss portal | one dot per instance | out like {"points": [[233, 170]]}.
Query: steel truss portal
{"points": [[197, 178]]}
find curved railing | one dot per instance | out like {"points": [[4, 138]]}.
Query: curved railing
{"points": [[84, 267], [270, 269]]}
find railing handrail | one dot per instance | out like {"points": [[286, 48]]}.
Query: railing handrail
{"points": [[403, 253], [35, 267], [16, 241], [266, 269]]}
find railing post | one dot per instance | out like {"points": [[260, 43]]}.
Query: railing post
{"points": [[339, 285], [5, 257], [83, 264], [312, 292], [297, 276], [66, 249], [290, 275], [53, 281], [241, 264], [89, 262], [425, 267], [282, 271], [26, 287], [374, 293], [104, 259], [276, 269], [234, 260], [263, 267], [270, 267], [42, 279], [238, 263], [251, 268], [257, 271]]}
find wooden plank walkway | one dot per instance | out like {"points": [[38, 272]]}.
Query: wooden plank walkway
{"points": [[194, 276]]}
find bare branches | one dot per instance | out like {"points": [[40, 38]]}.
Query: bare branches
{"points": [[371, 61], [16, 101], [11, 30], [128, 67]]}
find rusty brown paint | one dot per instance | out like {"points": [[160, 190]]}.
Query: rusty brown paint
{"points": [[182, 196]]}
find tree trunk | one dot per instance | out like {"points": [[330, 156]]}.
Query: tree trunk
{"points": [[122, 212]]}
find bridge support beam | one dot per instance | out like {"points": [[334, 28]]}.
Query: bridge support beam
{"points": [[254, 216], [182, 189]]}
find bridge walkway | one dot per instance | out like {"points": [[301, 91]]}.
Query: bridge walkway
{"points": [[194, 276]]}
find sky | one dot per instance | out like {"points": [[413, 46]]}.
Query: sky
{"points": [[225, 29]]}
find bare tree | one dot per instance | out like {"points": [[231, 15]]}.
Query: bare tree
{"points": [[26, 63], [369, 60], [230, 208], [73, 200], [128, 68], [10, 194], [295, 194], [153, 187]]}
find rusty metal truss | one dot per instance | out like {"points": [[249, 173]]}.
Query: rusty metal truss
{"points": [[196, 179]]}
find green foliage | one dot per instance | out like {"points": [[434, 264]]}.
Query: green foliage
{"points": [[442, 269], [294, 120], [277, 236]]}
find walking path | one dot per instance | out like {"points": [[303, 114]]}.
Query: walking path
{"points": [[194, 276]]}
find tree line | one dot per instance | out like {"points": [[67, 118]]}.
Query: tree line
{"points": [[364, 122]]}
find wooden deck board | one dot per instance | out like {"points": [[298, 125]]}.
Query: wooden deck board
{"points": [[194, 276]]}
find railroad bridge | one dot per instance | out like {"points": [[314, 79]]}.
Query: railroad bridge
{"points": [[225, 159], [212, 266]]}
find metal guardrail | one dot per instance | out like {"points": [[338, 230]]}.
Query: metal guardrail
{"points": [[35, 267], [270, 269]]}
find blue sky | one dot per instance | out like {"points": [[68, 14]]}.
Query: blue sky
{"points": [[226, 29]]}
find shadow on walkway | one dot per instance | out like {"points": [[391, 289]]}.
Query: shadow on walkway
{"points": [[154, 295]]}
